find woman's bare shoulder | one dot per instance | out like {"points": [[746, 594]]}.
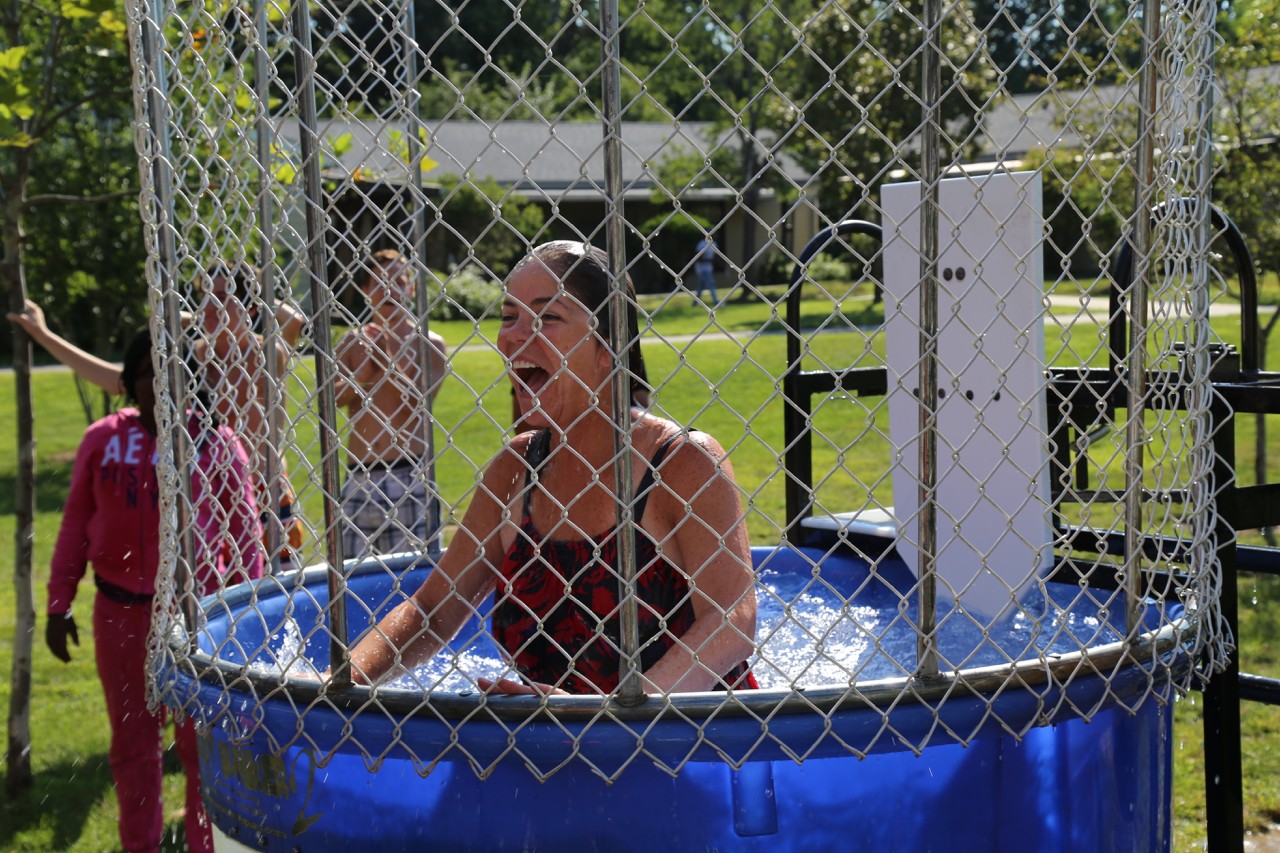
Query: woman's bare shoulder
{"points": [[509, 463], [692, 457], [686, 444]]}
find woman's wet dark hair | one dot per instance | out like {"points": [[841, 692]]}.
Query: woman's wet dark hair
{"points": [[136, 354], [583, 269]]}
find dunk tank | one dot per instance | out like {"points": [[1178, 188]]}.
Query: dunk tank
{"points": [[983, 520]]}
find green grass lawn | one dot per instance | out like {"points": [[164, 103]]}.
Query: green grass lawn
{"points": [[720, 383]]}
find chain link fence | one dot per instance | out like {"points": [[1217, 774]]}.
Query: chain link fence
{"points": [[876, 254]]}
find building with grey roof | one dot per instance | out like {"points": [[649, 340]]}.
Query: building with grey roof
{"points": [[561, 168]]}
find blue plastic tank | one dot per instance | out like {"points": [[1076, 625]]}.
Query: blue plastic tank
{"points": [[287, 768]]}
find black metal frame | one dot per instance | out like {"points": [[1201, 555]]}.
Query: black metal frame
{"points": [[1238, 388], [799, 386]]}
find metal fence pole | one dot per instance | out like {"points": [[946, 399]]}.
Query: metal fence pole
{"points": [[630, 686], [1136, 357], [271, 328], [318, 274], [157, 107], [426, 374], [927, 443]]}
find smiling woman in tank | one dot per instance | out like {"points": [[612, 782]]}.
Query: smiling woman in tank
{"points": [[540, 531]]}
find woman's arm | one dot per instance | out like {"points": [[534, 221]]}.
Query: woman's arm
{"points": [[417, 629], [291, 322], [709, 542], [71, 553], [439, 365], [87, 366]]}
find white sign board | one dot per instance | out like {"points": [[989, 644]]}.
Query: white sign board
{"points": [[993, 523]]}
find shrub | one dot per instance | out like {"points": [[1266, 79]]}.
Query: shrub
{"points": [[464, 294], [824, 267]]}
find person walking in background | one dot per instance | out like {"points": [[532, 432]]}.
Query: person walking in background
{"points": [[389, 504], [704, 266], [112, 520]]}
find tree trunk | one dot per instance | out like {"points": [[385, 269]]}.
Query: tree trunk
{"points": [[750, 201], [19, 776]]}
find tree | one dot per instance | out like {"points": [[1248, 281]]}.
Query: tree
{"points": [[726, 62], [75, 162], [1036, 44], [683, 61], [856, 103], [61, 60], [482, 224], [84, 253], [468, 47], [673, 234]]}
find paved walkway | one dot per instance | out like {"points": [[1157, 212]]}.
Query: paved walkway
{"points": [[1098, 305], [1264, 842]]}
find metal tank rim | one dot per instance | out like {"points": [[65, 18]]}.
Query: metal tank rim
{"points": [[1089, 678]]}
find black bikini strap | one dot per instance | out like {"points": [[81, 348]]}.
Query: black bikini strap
{"points": [[535, 456], [646, 482]]}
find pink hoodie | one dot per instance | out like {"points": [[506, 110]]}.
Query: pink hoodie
{"points": [[112, 515]]}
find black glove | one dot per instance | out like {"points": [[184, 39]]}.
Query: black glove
{"points": [[56, 631]]}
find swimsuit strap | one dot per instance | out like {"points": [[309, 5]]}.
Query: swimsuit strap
{"points": [[536, 456], [540, 446], [646, 482]]}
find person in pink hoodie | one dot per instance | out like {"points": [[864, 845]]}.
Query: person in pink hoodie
{"points": [[112, 521]]}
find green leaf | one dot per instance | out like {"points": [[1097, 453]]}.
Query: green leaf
{"points": [[80, 9], [21, 110], [72, 10], [398, 146], [18, 140], [286, 173], [278, 11], [15, 103], [341, 144], [11, 59], [112, 23]]}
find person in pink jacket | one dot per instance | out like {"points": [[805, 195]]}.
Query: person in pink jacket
{"points": [[112, 521]]}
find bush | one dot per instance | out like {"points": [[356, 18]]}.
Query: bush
{"points": [[776, 268], [465, 294], [824, 267]]}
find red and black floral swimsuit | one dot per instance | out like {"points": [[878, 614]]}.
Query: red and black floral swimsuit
{"points": [[556, 615]]}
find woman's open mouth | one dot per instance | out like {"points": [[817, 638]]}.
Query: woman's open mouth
{"points": [[529, 375]]}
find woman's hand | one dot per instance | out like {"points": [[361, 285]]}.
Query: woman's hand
{"points": [[57, 628], [506, 686], [31, 320]]}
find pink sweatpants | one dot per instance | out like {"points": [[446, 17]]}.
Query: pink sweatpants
{"points": [[120, 642]]}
